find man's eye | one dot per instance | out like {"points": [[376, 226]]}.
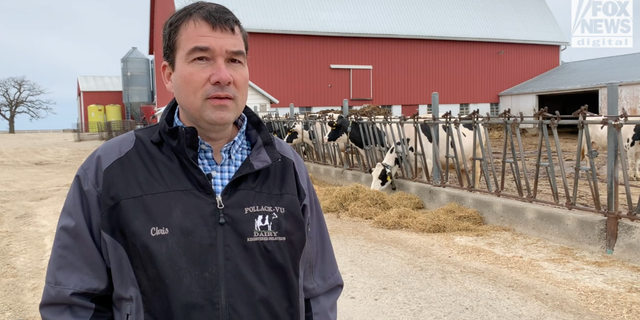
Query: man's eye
{"points": [[201, 59], [236, 61]]}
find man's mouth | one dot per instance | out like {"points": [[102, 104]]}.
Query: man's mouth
{"points": [[220, 96]]}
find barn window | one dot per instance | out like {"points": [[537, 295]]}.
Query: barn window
{"points": [[360, 81], [494, 110], [263, 107], [464, 109], [390, 108], [305, 110], [429, 108]]}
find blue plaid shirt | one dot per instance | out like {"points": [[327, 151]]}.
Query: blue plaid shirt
{"points": [[233, 154]]}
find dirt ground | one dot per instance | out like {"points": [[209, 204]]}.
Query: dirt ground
{"points": [[388, 274]]}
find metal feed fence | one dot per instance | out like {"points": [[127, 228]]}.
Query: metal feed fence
{"points": [[547, 169]]}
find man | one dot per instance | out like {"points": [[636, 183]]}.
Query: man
{"points": [[202, 216]]}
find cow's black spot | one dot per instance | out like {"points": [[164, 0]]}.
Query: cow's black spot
{"points": [[383, 177], [426, 130], [293, 135], [636, 134]]}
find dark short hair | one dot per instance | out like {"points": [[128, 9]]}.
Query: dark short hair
{"points": [[215, 15]]}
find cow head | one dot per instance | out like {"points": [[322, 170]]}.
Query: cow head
{"points": [[383, 174], [382, 177], [338, 128], [293, 133], [296, 134]]}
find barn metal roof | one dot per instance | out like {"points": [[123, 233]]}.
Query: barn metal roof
{"points": [[519, 21], [100, 83], [583, 74]]}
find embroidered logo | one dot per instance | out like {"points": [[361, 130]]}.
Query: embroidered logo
{"points": [[267, 223], [155, 231]]}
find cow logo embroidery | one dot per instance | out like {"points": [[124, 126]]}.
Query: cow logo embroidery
{"points": [[263, 220], [267, 221]]}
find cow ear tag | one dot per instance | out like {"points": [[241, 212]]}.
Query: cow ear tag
{"points": [[388, 178]]}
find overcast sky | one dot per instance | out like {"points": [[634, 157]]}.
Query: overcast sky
{"points": [[53, 42]]}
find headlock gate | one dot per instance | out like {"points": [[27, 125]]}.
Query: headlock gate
{"points": [[561, 166]]}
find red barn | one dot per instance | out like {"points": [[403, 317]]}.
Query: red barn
{"points": [[389, 53], [97, 90]]}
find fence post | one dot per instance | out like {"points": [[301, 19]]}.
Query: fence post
{"points": [[291, 110], [435, 110], [345, 107], [612, 169]]}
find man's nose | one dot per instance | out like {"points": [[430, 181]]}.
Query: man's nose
{"points": [[221, 75]]}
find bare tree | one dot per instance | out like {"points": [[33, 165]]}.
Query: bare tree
{"points": [[21, 96]]}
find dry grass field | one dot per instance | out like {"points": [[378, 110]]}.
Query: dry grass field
{"points": [[393, 266]]}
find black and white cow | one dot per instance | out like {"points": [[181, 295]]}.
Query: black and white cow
{"points": [[466, 144], [631, 143], [299, 133], [305, 132], [385, 172], [343, 130]]}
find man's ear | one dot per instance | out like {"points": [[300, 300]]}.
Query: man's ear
{"points": [[167, 73]]}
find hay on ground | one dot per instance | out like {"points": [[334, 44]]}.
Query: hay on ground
{"points": [[405, 200], [355, 196], [399, 210], [450, 218]]}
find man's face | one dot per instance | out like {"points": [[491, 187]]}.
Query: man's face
{"points": [[210, 78]]}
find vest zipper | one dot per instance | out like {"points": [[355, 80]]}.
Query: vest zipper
{"points": [[221, 220], [224, 312]]}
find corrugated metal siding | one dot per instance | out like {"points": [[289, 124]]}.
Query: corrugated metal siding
{"points": [[297, 69], [103, 98]]}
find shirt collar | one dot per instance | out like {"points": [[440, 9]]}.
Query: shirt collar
{"points": [[234, 145]]}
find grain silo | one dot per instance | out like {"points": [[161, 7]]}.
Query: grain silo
{"points": [[136, 83]]}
